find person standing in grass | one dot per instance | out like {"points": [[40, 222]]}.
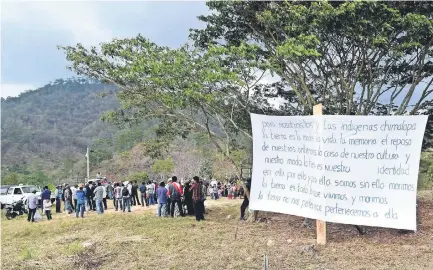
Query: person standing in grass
{"points": [[126, 197], [46, 202], [68, 198], [32, 201], [198, 198], [150, 189], [104, 196], [99, 195], [188, 198], [246, 202], [162, 199], [129, 186], [74, 196], [59, 195], [168, 206], [135, 194], [118, 200], [81, 200], [143, 194], [175, 192], [215, 192]]}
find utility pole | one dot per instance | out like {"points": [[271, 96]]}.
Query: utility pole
{"points": [[88, 167]]}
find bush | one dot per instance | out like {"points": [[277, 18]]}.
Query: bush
{"points": [[425, 178], [139, 177]]}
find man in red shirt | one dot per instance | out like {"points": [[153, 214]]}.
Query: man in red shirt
{"points": [[198, 198]]}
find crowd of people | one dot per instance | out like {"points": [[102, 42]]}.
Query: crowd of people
{"points": [[171, 197]]}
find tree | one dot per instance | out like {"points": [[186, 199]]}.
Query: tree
{"points": [[210, 92], [163, 168], [139, 177], [11, 179], [354, 57]]}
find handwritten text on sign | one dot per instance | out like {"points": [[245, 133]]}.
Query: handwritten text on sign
{"points": [[348, 169]]}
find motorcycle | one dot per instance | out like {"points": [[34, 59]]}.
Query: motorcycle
{"points": [[15, 209]]}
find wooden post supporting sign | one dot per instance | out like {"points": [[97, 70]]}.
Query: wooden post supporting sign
{"points": [[320, 225]]}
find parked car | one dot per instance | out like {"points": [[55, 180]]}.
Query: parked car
{"points": [[11, 194]]}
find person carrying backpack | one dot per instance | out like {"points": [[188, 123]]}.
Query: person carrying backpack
{"points": [[175, 193], [126, 196]]}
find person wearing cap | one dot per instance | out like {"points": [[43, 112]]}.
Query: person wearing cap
{"points": [[81, 201], [32, 202]]}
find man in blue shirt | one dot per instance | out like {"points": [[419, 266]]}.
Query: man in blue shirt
{"points": [[81, 200], [162, 199]]}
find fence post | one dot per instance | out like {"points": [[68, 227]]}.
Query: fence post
{"points": [[320, 224]]}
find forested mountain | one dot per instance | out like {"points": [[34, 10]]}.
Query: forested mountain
{"points": [[54, 123], [45, 134]]}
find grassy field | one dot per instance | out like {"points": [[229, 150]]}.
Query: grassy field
{"points": [[140, 240]]}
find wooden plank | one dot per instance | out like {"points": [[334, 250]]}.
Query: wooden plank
{"points": [[320, 225]]}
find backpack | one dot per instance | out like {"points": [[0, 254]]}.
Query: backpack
{"points": [[125, 192], [173, 192]]}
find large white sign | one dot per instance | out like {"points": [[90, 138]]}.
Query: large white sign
{"points": [[348, 169]]}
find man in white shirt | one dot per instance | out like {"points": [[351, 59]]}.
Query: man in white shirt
{"points": [[32, 201], [150, 189], [74, 195], [129, 187]]}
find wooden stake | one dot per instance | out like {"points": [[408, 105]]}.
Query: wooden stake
{"points": [[320, 225]]}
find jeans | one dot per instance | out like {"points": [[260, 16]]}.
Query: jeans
{"points": [[68, 206], [118, 203], [162, 207], [126, 203], [215, 196], [99, 207], [31, 215], [104, 201], [199, 210], [179, 205], [90, 202], [151, 199], [79, 208]]}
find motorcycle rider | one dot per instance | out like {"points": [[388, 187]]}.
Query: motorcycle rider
{"points": [[33, 205]]}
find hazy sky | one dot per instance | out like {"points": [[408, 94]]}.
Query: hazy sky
{"points": [[31, 30]]}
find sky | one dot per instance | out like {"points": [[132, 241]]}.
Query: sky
{"points": [[31, 30]]}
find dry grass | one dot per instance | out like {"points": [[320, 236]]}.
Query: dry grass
{"points": [[139, 240]]}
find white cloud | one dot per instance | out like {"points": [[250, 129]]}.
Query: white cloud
{"points": [[82, 20], [13, 90]]}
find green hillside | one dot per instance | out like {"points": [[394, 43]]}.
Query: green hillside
{"points": [[45, 134]]}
